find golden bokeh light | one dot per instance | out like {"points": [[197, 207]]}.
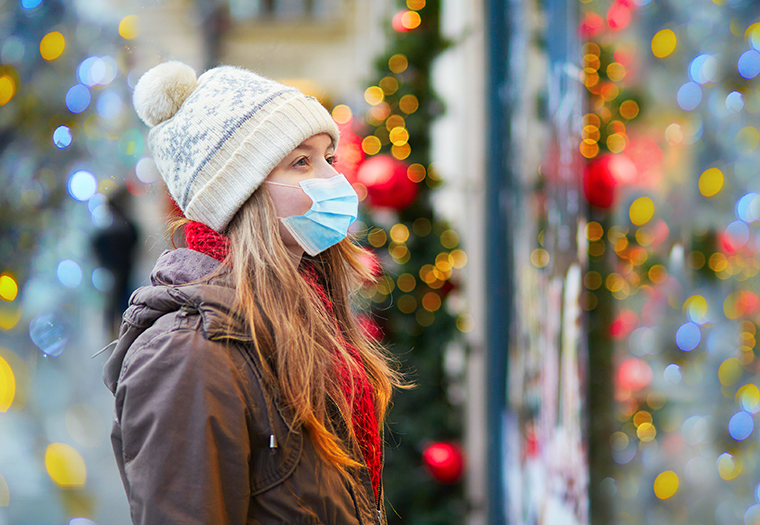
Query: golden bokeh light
{"points": [[371, 145], [395, 121], [8, 287], [449, 239], [342, 114], [616, 72], [377, 237], [664, 43], [641, 211], [629, 109], [407, 303], [65, 465], [52, 45], [458, 259], [129, 28], [389, 85], [399, 233], [415, 5], [711, 182], [401, 151], [666, 484], [431, 301], [406, 282], [398, 63], [411, 20], [539, 258], [416, 172], [7, 89], [399, 136], [408, 104], [374, 95], [7, 385]]}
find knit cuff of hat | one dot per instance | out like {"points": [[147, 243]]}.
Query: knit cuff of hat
{"points": [[294, 120]]}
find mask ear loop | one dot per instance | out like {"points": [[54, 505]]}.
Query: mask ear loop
{"points": [[283, 184]]}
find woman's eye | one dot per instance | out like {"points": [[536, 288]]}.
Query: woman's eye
{"points": [[301, 162], [332, 161]]}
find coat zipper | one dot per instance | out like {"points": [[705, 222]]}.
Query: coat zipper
{"points": [[377, 497]]}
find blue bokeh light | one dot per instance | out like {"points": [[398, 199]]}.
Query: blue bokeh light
{"points": [[672, 374], [82, 185], [748, 207], [48, 334], [749, 64], [688, 336], [734, 102], [110, 105], [62, 137], [103, 279], [30, 4], [69, 273], [737, 233], [78, 98], [703, 69], [741, 425], [689, 96]]}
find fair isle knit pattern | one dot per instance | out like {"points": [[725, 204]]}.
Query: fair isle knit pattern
{"points": [[228, 134]]}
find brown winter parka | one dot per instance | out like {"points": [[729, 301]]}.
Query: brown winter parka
{"points": [[198, 439]]}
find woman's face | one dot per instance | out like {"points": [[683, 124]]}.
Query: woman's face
{"points": [[313, 158]]}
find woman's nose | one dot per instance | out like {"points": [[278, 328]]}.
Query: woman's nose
{"points": [[325, 170]]}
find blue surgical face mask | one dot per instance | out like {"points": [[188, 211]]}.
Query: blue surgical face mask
{"points": [[335, 206]]}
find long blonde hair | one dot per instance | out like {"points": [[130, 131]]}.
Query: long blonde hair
{"points": [[298, 342]]}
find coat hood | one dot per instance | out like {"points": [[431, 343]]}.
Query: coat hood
{"points": [[181, 279]]}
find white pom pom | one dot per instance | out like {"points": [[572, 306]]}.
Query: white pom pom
{"points": [[161, 91]]}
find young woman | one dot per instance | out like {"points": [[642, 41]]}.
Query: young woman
{"points": [[245, 390]]}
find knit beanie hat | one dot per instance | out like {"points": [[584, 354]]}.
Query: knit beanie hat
{"points": [[215, 139]]}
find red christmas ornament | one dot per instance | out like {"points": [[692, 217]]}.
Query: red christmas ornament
{"points": [[387, 183], [350, 154], [602, 175], [444, 461]]}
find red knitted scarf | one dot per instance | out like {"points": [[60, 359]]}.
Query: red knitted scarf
{"points": [[203, 239]]}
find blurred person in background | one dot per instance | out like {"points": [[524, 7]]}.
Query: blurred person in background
{"points": [[114, 247], [245, 390]]}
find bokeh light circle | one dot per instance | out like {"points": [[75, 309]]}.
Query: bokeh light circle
{"points": [[146, 170], [48, 334], [664, 43], [688, 336], [703, 69], [672, 374], [711, 182], [62, 137], [749, 398], [78, 98], [737, 234], [109, 105], [666, 484], [741, 425], [734, 102], [82, 185], [69, 273], [65, 465], [641, 211], [748, 207], [749, 64], [103, 279], [689, 96], [52, 45]]}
